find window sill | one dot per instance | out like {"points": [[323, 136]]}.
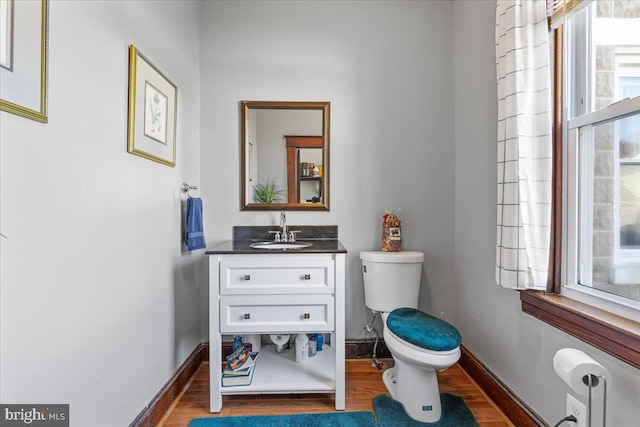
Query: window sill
{"points": [[613, 334]]}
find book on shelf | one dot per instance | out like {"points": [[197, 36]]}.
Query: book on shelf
{"points": [[236, 380], [238, 357], [243, 369]]}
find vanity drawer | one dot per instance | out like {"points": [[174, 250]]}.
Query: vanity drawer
{"points": [[287, 313], [276, 276]]}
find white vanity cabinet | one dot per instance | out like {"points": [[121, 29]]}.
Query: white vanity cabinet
{"points": [[267, 293]]}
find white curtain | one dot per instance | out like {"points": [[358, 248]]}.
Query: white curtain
{"points": [[524, 144]]}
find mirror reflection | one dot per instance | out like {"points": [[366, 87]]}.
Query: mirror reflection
{"points": [[285, 155]]}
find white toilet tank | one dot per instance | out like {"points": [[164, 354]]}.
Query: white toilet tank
{"points": [[391, 279]]}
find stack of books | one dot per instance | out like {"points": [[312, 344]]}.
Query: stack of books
{"points": [[239, 368]]}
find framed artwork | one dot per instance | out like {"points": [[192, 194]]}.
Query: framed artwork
{"points": [[24, 38], [153, 101], [6, 34]]}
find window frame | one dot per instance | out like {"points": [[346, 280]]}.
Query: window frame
{"points": [[622, 255], [605, 324], [576, 200], [581, 118]]}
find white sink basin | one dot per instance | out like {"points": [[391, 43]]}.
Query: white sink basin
{"points": [[280, 245]]}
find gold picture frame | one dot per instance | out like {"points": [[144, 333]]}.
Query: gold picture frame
{"points": [[23, 91], [152, 111]]}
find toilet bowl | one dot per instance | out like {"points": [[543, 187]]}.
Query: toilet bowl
{"points": [[419, 343]]}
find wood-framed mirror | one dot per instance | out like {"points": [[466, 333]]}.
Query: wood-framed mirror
{"points": [[284, 149]]}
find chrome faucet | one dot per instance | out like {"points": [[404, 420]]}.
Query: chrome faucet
{"points": [[284, 234], [283, 226]]}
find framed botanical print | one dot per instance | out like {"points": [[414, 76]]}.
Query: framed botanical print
{"points": [[24, 38], [153, 101], [7, 8]]}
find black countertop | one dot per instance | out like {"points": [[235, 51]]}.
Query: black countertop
{"points": [[323, 239], [318, 246]]}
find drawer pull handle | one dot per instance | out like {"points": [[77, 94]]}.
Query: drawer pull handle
{"points": [[306, 316], [247, 316], [307, 277], [247, 277]]}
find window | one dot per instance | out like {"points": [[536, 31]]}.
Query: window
{"points": [[628, 158], [597, 131], [602, 139]]}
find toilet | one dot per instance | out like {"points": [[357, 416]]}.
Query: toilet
{"points": [[419, 343]]}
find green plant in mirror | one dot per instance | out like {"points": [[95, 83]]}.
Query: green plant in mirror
{"points": [[267, 191]]}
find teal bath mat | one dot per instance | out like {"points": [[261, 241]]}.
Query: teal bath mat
{"points": [[455, 413], [327, 419]]}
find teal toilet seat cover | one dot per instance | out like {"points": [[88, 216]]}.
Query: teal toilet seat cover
{"points": [[423, 330]]}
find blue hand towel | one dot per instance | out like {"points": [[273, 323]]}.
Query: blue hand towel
{"points": [[195, 235]]}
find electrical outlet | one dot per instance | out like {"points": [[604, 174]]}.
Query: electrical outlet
{"points": [[578, 410]]}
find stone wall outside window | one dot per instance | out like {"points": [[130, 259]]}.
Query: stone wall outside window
{"points": [[604, 143]]}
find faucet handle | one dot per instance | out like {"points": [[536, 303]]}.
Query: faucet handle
{"points": [[277, 235], [292, 235]]}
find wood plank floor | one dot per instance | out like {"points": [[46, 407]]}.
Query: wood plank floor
{"points": [[363, 383]]}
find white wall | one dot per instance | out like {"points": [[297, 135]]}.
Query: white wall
{"points": [[99, 305], [386, 68], [515, 346]]}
